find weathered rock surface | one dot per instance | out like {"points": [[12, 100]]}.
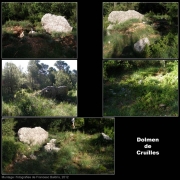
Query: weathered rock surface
{"points": [[49, 147], [106, 136], [55, 92], [122, 16], [32, 136], [32, 156], [117, 17], [140, 45], [52, 23]]}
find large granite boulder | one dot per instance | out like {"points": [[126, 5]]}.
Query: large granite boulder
{"points": [[32, 136], [52, 23], [122, 16], [140, 45], [117, 17], [55, 92]]}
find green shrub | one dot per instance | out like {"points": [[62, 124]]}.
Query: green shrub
{"points": [[26, 102], [8, 127], [23, 24], [109, 131], [11, 23], [165, 47], [59, 125], [31, 167], [125, 25], [9, 149], [9, 109]]}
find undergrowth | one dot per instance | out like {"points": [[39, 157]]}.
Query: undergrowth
{"points": [[143, 91], [31, 104]]}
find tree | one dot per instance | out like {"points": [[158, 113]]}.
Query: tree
{"points": [[73, 77], [11, 78], [33, 70], [172, 11], [63, 79], [51, 75], [61, 65], [38, 75]]}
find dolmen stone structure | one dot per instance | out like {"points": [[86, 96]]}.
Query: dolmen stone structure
{"points": [[55, 92]]}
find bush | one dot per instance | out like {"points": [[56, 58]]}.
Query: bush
{"points": [[165, 48], [8, 126], [26, 102], [109, 131], [9, 149], [59, 125]]}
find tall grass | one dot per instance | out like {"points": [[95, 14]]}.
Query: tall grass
{"points": [[119, 41], [79, 154], [140, 92], [28, 104]]}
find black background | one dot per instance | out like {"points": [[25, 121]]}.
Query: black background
{"points": [[89, 59], [127, 129]]}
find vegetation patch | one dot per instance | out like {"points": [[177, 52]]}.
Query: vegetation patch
{"points": [[22, 92], [141, 88], [80, 152], [159, 25], [21, 17]]}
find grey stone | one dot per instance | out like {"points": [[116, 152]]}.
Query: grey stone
{"points": [[117, 17], [32, 136], [122, 16], [55, 92], [33, 157], [106, 136], [49, 147], [140, 45], [52, 23]]}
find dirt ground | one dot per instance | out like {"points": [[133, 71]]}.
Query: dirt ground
{"points": [[37, 46]]}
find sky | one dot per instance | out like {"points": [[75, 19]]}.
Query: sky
{"points": [[23, 63]]}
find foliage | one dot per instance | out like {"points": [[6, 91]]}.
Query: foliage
{"points": [[112, 67], [164, 48], [80, 153], [142, 89], [9, 151], [125, 25], [35, 11], [8, 127], [39, 76], [59, 125], [11, 78], [159, 26], [109, 6], [41, 44], [30, 104], [63, 79]]}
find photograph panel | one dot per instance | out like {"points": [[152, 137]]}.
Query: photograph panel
{"points": [[39, 88], [140, 88], [39, 30], [58, 146], [140, 30]]}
